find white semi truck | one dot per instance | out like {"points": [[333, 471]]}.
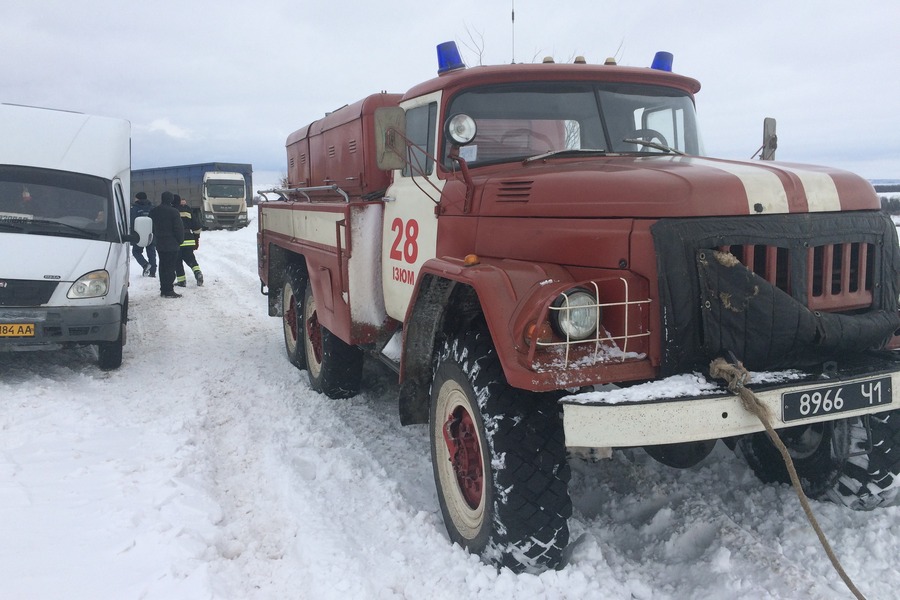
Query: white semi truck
{"points": [[216, 192]]}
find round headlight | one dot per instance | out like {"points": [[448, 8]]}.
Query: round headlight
{"points": [[461, 129], [575, 314]]}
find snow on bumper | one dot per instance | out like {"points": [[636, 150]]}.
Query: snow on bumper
{"points": [[717, 415]]}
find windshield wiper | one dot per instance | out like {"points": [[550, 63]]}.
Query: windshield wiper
{"points": [[66, 226], [566, 152], [655, 145]]}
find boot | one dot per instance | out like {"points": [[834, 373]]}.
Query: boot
{"points": [[146, 270], [199, 277]]}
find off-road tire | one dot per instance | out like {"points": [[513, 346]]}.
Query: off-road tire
{"points": [[860, 482], [292, 315], [503, 487], [334, 367]]}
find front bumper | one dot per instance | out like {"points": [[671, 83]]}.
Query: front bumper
{"points": [[713, 416], [63, 325]]}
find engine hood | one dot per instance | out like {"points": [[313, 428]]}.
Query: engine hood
{"points": [[666, 186], [47, 258]]}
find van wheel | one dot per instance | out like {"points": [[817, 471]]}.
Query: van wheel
{"points": [[292, 315], [499, 460], [335, 367], [109, 354]]}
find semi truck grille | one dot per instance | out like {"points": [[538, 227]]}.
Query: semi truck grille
{"points": [[225, 208], [839, 276], [22, 292]]}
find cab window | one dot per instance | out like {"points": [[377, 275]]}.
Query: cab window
{"points": [[420, 129]]}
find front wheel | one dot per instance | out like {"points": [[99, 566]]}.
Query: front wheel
{"points": [[335, 367], [831, 459], [499, 460], [109, 354]]}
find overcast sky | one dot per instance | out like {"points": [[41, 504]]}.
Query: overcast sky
{"points": [[204, 80]]}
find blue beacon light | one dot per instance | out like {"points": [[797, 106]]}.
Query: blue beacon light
{"points": [[662, 61], [449, 58]]}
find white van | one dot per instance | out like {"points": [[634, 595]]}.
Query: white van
{"points": [[64, 230]]}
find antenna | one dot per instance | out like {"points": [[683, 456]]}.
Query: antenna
{"points": [[513, 31]]}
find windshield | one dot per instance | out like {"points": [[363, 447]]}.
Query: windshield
{"points": [[48, 202], [517, 121], [224, 189]]}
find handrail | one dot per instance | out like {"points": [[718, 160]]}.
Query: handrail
{"points": [[303, 190]]}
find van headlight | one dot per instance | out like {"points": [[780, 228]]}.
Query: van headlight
{"points": [[92, 285], [574, 315]]}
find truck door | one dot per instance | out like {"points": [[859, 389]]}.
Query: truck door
{"points": [[410, 222]]}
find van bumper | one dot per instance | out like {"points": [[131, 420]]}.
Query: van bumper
{"points": [[60, 325]]}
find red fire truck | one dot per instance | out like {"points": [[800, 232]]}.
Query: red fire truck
{"points": [[523, 242]]}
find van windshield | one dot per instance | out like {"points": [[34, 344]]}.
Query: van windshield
{"points": [[56, 203], [521, 120]]}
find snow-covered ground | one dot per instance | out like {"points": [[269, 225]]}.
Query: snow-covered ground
{"points": [[206, 468]]}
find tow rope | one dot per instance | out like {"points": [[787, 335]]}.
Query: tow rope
{"points": [[736, 376]]}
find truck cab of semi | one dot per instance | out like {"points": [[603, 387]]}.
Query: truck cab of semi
{"points": [[65, 231], [224, 200]]}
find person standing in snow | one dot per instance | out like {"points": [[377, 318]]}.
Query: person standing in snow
{"points": [[141, 208], [169, 233], [191, 242]]}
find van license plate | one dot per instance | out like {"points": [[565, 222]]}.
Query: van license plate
{"points": [[838, 398], [16, 329]]}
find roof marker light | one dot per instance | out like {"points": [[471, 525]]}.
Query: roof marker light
{"points": [[662, 61], [449, 58]]}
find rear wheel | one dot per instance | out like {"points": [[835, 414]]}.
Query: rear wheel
{"points": [[291, 315], [821, 455], [335, 367], [499, 460]]}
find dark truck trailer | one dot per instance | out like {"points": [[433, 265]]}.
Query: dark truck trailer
{"points": [[210, 189]]}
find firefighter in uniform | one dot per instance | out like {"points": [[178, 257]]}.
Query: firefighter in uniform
{"points": [[191, 242]]}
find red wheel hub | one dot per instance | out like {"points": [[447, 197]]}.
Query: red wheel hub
{"points": [[314, 333], [461, 436], [290, 318]]}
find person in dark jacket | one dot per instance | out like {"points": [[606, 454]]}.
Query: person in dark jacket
{"points": [[168, 233], [191, 242], [141, 208]]}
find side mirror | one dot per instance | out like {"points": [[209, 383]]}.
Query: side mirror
{"points": [[143, 232], [390, 138], [770, 139]]}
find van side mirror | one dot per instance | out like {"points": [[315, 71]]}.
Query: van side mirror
{"points": [[770, 139], [390, 138], [143, 232]]}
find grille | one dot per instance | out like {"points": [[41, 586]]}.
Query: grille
{"points": [[225, 208], [20, 292], [838, 276]]}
